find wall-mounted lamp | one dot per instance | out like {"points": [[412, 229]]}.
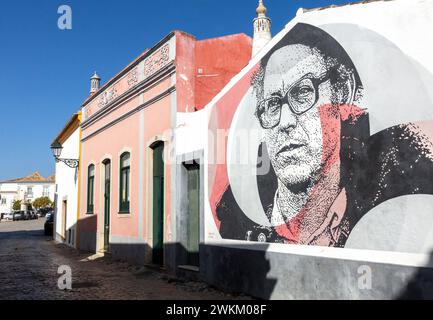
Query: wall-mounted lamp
{"points": [[57, 148]]}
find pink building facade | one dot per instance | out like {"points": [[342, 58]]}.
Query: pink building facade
{"points": [[128, 195]]}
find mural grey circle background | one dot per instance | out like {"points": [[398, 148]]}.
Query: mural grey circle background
{"points": [[243, 143], [391, 100]]}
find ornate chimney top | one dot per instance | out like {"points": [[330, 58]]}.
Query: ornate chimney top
{"points": [[95, 81], [262, 28], [261, 9]]}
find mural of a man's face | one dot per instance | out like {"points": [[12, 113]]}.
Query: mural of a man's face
{"points": [[296, 83]]}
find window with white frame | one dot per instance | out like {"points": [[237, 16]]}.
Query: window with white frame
{"points": [[29, 192], [46, 191]]}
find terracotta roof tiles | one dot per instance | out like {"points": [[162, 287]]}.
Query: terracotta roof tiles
{"points": [[34, 177]]}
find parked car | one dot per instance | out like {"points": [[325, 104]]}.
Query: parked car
{"points": [[49, 213], [32, 214], [18, 215], [26, 215], [48, 226], [8, 216], [43, 211]]}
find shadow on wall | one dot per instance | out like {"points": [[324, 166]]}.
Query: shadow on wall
{"points": [[86, 235], [241, 268], [420, 285]]}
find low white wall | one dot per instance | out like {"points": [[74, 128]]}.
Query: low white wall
{"points": [[191, 131]]}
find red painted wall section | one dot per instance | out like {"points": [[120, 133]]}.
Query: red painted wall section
{"points": [[218, 60], [185, 75], [205, 67]]}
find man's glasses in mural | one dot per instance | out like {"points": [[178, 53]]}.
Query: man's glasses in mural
{"points": [[300, 98]]}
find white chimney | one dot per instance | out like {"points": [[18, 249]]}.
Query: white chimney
{"points": [[95, 82], [262, 29]]}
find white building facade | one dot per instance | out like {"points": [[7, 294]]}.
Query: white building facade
{"points": [[67, 184]]}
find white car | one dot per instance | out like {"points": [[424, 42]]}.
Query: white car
{"points": [[8, 216]]}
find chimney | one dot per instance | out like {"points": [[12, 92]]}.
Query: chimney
{"points": [[262, 29], [95, 82]]}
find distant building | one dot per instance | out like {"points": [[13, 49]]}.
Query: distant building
{"points": [[26, 189]]}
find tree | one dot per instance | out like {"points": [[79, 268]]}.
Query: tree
{"points": [[16, 205], [42, 202]]}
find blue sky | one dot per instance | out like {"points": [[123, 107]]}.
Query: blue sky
{"points": [[45, 71]]}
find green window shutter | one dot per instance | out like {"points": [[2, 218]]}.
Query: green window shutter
{"points": [[90, 188], [124, 188]]}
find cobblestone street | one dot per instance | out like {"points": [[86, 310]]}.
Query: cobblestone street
{"points": [[29, 262]]}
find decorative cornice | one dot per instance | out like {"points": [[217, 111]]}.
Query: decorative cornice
{"points": [[131, 112], [117, 102], [131, 66], [133, 77]]}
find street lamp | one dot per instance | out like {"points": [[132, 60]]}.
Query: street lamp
{"points": [[57, 148]]}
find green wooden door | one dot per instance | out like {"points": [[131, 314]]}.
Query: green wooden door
{"points": [[158, 205], [193, 239], [107, 197]]}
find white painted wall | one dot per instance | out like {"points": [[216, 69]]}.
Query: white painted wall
{"points": [[37, 190], [8, 187], [191, 131], [6, 202], [67, 189]]}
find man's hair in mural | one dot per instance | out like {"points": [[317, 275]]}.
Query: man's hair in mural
{"points": [[336, 59]]}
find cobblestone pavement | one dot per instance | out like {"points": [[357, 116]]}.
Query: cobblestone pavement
{"points": [[29, 262]]}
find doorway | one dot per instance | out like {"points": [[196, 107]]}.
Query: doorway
{"points": [[107, 197], [64, 215], [158, 204], [193, 215]]}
